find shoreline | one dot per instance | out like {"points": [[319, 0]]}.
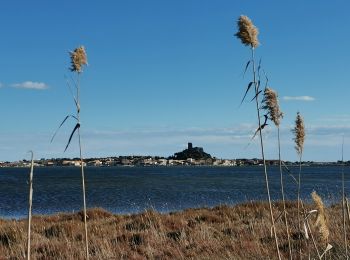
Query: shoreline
{"points": [[326, 164]]}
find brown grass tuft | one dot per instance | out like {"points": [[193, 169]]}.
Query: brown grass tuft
{"points": [[247, 32]]}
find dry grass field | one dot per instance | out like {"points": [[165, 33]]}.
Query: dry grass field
{"points": [[223, 232]]}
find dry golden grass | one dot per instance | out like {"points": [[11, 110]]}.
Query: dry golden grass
{"points": [[238, 232]]}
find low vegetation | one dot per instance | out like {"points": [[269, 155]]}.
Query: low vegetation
{"points": [[223, 232]]}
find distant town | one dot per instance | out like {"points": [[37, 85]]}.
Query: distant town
{"points": [[192, 156]]}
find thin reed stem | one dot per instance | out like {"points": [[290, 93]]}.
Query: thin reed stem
{"points": [[282, 192], [347, 208], [298, 198], [30, 204], [84, 199], [82, 168], [343, 199], [263, 154], [310, 231], [313, 239]]}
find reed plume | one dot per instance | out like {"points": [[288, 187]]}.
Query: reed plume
{"points": [[299, 131], [78, 59], [247, 33], [321, 221], [271, 105]]}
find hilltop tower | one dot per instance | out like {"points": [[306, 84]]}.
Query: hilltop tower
{"points": [[196, 153]]}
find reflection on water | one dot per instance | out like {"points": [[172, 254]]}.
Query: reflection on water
{"points": [[133, 189]]}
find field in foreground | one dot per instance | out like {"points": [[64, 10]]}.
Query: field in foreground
{"points": [[223, 232]]}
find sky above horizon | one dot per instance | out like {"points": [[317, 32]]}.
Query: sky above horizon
{"points": [[164, 73]]}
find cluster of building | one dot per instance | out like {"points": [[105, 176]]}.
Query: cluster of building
{"points": [[153, 161], [191, 156], [122, 161]]}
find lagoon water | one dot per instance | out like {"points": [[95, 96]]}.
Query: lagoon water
{"points": [[134, 189]]}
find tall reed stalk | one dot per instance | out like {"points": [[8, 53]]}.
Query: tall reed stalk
{"points": [[248, 33], [30, 201], [78, 60], [299, 132], [271, 105], [282, 192]]}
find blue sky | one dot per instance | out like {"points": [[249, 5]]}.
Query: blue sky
{"points": [[163, 73]]}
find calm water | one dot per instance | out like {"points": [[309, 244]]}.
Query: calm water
{"points": [[133, 189]]}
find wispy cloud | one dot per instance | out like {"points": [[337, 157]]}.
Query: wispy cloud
{"points": [[31, 85], [329, 130], [1, 85], [241, 131], [298, 98], [337, 118]]}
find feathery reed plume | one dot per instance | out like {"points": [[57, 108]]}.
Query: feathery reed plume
{"points": [[30, 204], [271, 105], [247, 32], [299, 131], [321, 221], [78, 59]]}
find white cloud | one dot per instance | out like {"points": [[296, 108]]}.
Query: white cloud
{"points": [[298, 98], [1, 85], [31, 85]]}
